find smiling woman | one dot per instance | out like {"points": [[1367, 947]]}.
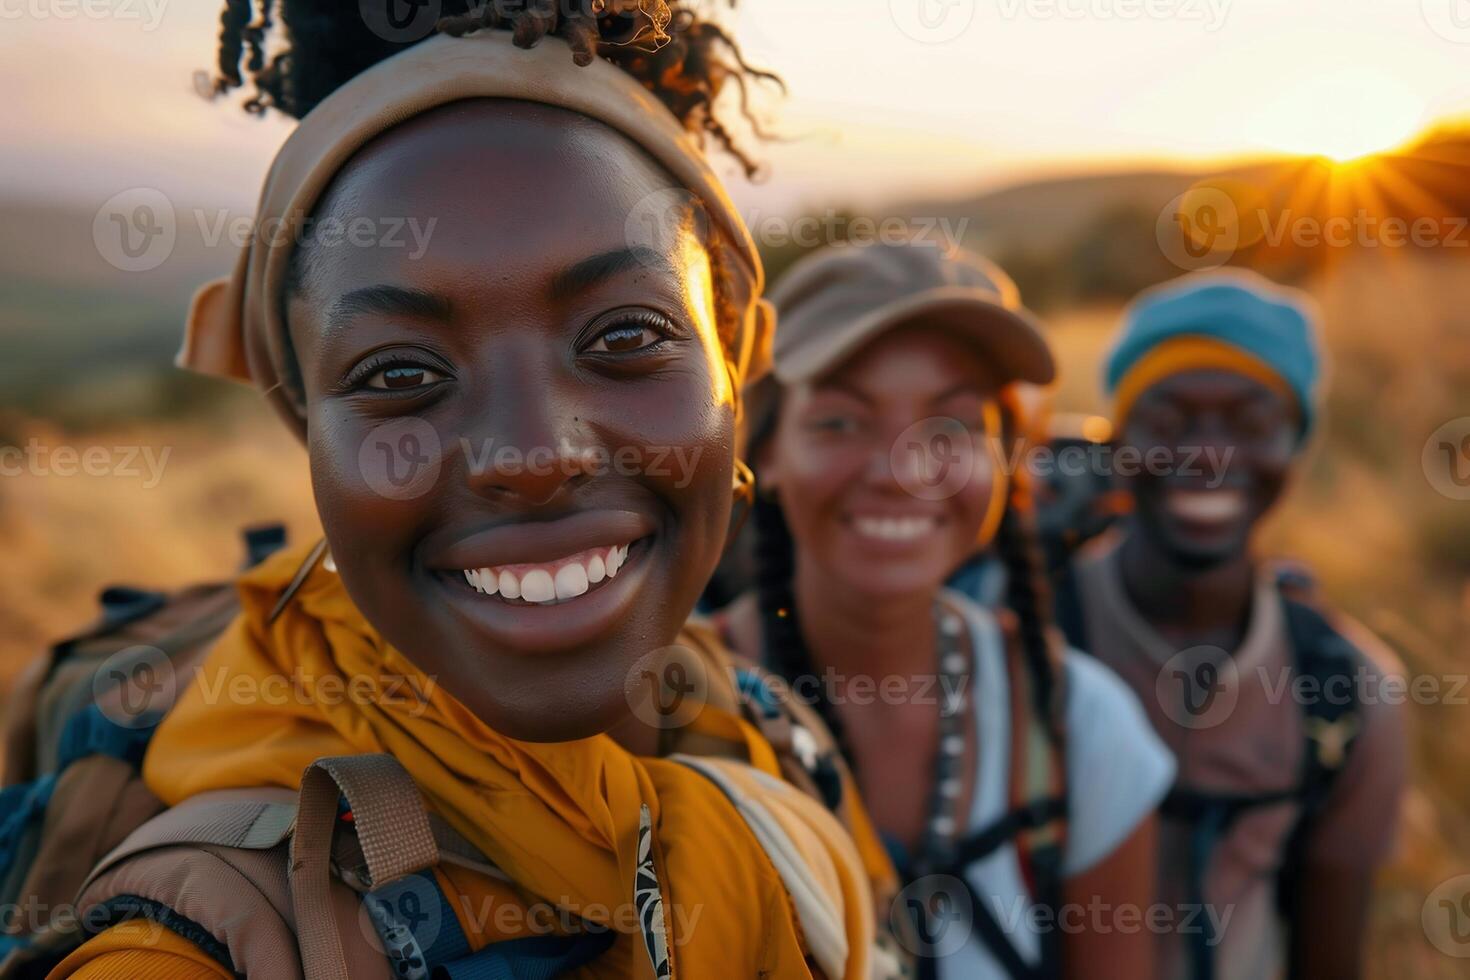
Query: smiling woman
{"points": [[571, 351], [528, 593]]}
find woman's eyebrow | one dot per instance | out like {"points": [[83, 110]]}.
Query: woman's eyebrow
{"points": [[386, 300], [954, 390], [591, 271], [844, 388]]}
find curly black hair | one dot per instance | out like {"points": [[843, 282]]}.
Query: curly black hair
{"points": [[673, 47]]}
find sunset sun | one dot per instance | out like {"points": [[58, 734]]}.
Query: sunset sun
{"points": [[1343, 117]]}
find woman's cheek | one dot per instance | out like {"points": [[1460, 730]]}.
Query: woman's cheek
{"points": [[978, 500], [373, 479], [817, 472]]}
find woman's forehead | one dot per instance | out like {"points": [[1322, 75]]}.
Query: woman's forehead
{"points": [[494, 189], [910, 362]]}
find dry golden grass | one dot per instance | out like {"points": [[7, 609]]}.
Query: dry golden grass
{"points": [[1381, 539], [69, 536]]}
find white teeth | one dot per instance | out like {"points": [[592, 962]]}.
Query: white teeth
{"points": [[510, 587], [537, 586], [571, 581], [1207, 505], [483, 580], [894, 528]]}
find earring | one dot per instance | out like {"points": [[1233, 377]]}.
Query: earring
{"points": [[744, 490]]}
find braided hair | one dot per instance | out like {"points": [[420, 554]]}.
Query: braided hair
{"points": [[1028, 597], [672, 47]]}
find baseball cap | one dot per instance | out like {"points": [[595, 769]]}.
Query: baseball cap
{"points": [[834, 301]]}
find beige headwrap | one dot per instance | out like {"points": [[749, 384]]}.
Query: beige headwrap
{"points": [[236, 327]]}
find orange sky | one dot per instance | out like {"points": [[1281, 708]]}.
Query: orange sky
{"points": [[889, 98]]}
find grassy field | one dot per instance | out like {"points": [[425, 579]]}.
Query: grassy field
{"points": [[1389, 548]]}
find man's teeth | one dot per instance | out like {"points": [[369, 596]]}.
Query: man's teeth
{"points": [[565, 578], [894, 528], [1207, 505]]}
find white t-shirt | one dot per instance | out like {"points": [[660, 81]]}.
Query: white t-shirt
{"points": [[1117, 772]]}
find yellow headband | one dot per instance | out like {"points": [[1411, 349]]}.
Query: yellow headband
{"points": [[1194, 353]]}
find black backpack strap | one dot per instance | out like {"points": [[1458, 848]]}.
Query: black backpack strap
{"points": [[1332, 721], [983, 842], [1067, 606], [1209, 817], [1046, 874], [1045, 865]]}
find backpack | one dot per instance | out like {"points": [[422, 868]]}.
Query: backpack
{"points": [[266, 881], [1331, 726], [77, 724]]}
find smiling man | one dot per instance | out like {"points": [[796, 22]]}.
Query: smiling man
{"points": [[1290, 757]]}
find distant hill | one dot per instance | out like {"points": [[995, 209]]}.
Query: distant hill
{"points": [[75, 328]]}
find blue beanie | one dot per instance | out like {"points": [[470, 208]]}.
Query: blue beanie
{"points": [[1274, 324]]}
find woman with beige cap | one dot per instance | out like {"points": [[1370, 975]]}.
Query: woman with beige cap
{"points": [[1014, 783], [488, 424]]}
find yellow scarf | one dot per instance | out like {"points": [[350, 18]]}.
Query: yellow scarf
{"points": [[561, 819]]}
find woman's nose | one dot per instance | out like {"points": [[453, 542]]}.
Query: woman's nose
{"points": [[528, 450]]}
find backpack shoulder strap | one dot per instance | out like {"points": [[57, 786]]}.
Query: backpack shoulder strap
{"points": [[336, 881], [1067, 608], [1036, 818], [213, 869], [1331, 717], [1329, 660]]}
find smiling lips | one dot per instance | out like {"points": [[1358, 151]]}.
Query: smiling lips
{"points": [[550, 582]]}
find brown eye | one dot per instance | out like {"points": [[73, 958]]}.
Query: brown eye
{"points": [[624, 339], [630, 332], [403, 376]]}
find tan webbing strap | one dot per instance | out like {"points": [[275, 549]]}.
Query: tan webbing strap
{"points": [[392, 828]]}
